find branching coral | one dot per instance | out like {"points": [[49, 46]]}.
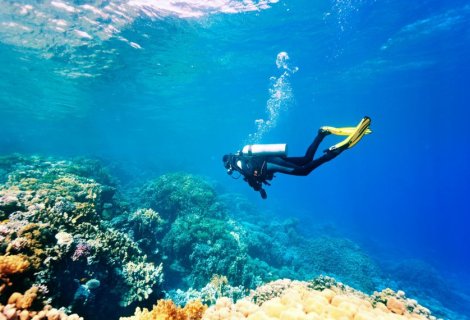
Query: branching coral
{"points": [[144, 226], [141, 277]]}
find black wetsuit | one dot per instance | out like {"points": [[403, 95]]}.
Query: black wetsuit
{"points": [[257, 170]]}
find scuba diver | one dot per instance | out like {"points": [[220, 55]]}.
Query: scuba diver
{"points": [[258, 163]]}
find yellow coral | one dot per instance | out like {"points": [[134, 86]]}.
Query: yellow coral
{"points": [[294, 301], [299, 303], [167, 310], [218, 281], [12, 265], [35, 240], [24, 301], [19, 305], [194, 310]]}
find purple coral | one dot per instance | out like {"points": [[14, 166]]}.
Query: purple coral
{"points": [[82, 250]]}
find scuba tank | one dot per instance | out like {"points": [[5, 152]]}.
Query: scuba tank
{"points": [[279, 149]]}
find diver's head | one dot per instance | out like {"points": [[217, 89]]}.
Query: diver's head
{"points": [[225, 158], [228, 163]]}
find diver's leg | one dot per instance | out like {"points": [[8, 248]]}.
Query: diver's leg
{"points": [[309, 167], [275, 168], [302, 166], [300, 161]]}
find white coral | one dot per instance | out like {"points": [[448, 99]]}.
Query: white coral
{"points": [[141, 276], [64, 238]]}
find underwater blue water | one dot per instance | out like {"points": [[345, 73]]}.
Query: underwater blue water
{"points": [[174, 88]]}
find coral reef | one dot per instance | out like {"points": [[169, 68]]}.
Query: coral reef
{"points": [[177, 194], [24, 307], [13, 264], [423, 280], [398, 303], [286, 299], [198, 237], [167, 310], [10, 267], [218, 287], [321, 298], [54, 227], [69, 238], [201, 248], [342, 259], [144, 226], [140, 277]]}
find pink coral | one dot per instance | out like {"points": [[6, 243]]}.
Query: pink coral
{"points": [[82, 250]]}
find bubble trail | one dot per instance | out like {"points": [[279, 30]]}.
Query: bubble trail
{"points": [[280, 98]]}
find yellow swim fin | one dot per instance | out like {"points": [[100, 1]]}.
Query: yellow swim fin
{"points": [[354, 136], [344, 131]]}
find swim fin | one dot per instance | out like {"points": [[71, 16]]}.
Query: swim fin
{"points": [[344, 131], [355, 135]]}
